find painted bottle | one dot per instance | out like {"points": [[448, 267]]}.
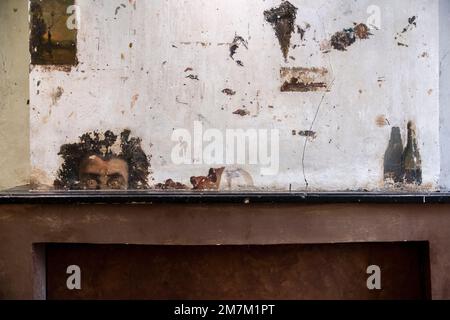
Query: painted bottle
{"points": [[411, 160]]}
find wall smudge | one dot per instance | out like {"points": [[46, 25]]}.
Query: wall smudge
{"points": [[400, 36], [235, 45], [343, 39], [304, 79], [282, 19], [242, 112], [210, 182], [229, 92], [56, 95], [308, 134]]}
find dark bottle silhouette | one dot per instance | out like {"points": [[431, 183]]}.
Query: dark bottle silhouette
{"points": [[393, 157], [411, 160]]}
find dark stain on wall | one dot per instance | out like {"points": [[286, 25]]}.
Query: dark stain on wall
{"points": [[400, 36], [229, 92], [242, 112], [304, 79], [94, 144], [343, 39], [51, 41], [282, 19], [210, 182]]}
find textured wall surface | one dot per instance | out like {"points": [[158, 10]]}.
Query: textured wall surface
{"points": [[14, 79], [444, 11], [135, 61]]}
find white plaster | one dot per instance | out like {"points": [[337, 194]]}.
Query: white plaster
{"points": [[349, 149]]}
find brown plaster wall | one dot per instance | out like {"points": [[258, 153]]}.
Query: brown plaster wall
{"points": [[21, 226]]}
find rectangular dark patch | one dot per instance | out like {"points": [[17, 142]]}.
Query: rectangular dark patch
{"points": [[53, 33], [304, 79]]}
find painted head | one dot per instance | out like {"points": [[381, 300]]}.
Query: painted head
{"points": [[103, 162]]}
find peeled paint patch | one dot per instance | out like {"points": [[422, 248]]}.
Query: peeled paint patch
{"points": [[282, 19], [304, 79], [343, 39]]}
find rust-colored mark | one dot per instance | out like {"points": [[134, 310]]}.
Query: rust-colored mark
{"points": [[171, 185], [210, 182], [242, 112], [229, 92], [282, 19], [51, 41], [304, 79], [134, 100], [382, 121], [343, 39]]}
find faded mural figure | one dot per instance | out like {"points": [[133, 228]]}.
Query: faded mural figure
{"points": [[104, 162], [51, 42]]}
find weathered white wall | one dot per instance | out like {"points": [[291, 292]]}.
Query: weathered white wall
{"points": [[167, 35], [444, 11], [14, 79]]}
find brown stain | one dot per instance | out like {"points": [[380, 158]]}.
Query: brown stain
{"points": [[56, 95], [282, 19], [242, 112], [210, 182], [341, 40], [134, 100], [301, 79], [382, 121], [229, 92]]}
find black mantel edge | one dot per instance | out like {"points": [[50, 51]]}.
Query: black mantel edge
{"points": [[143, 197]]}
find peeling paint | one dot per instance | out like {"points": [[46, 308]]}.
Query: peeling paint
{"points": [[343, 39], [282, 19], [301, 79]]}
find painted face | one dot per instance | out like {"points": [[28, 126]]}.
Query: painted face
{"points": [[99, 174]]}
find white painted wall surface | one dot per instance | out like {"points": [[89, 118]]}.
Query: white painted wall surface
{"points": [[444, 11], [349, 149]]}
